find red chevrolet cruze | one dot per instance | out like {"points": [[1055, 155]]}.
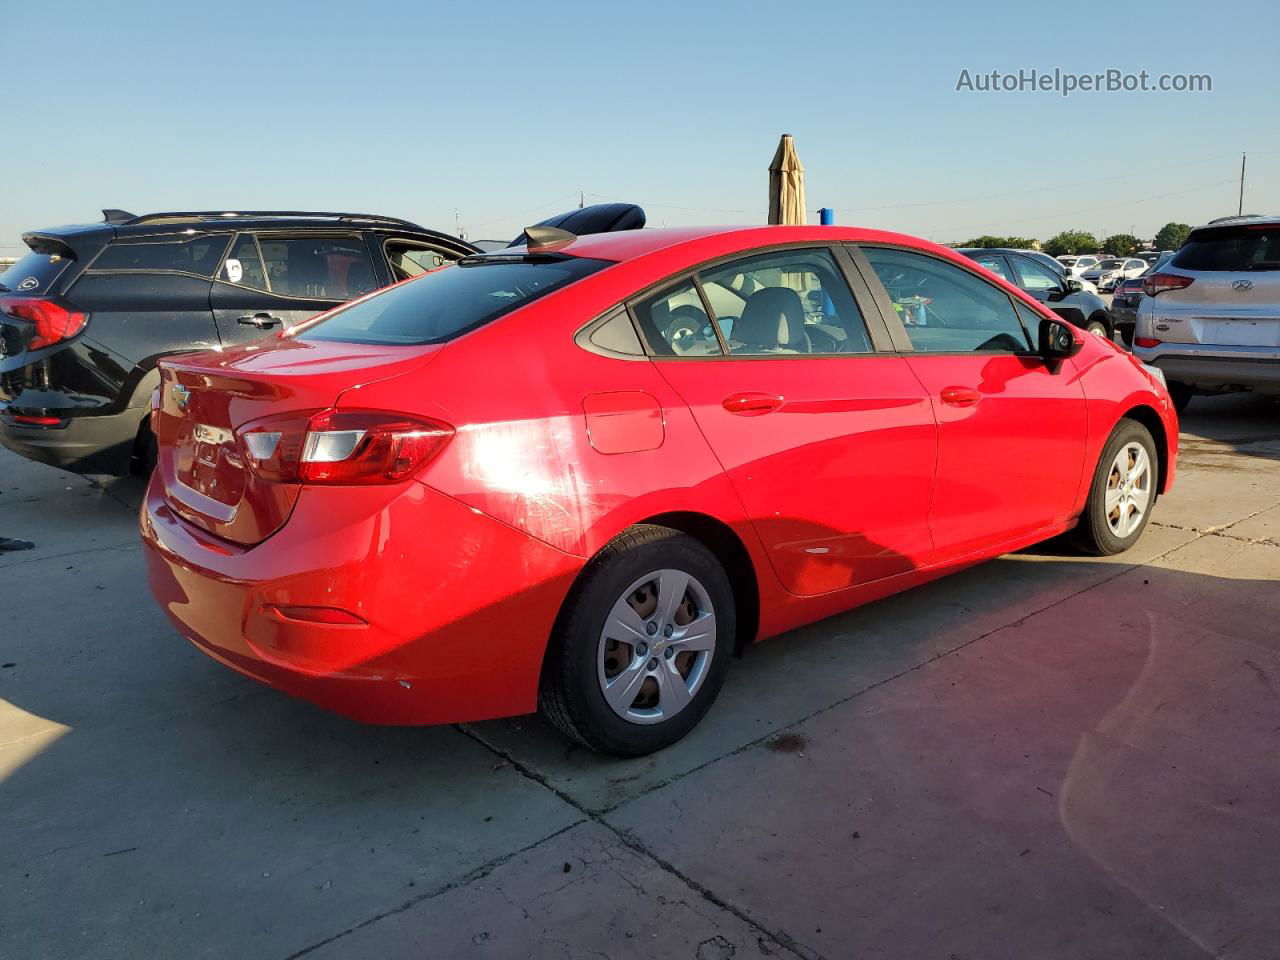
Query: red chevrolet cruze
{"points": [[577, 474]]}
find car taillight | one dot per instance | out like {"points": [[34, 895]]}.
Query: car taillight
{"points": [[1160, 282], [1146, 342], [341, 446], [54, 321]]}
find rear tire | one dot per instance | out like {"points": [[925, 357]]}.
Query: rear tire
{"points": [[1123, 492], [145, 451], [1180, 394], [642, 647]]}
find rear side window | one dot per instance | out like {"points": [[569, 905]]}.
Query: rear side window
{"points": [[1233, 249], [199, 255], [34, 274], [441, 305]]}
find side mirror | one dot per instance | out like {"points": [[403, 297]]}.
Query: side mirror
{"points": [[1074, 285], [1059, 340]]}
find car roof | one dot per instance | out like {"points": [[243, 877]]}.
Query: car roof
{"points": [[716, 240], [121, 224]]}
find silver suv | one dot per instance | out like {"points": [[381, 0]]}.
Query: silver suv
{"points": [[1210, 317]]}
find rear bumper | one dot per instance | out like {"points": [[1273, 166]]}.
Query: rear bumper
{"points": [[1254, 368], [99, 444], [457, 607]]}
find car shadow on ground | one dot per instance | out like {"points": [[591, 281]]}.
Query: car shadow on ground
{"points": [[1247, 423], [176, 784]]}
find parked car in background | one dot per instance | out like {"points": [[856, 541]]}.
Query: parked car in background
{"points": [[1080, 264], [1107, 273], [1064, 295], [1210, 317], [1127, 296], [87, 313], [699, 437], [1151, 256]]}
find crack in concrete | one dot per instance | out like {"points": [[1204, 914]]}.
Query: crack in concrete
{"points": [[479, 873]]}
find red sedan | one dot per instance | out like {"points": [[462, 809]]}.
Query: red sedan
{"points": [[577, 474]]}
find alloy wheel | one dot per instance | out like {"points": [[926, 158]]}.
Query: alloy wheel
{"points": [[1128, 492]]}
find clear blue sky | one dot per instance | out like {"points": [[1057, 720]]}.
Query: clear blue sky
{"points": [[504, 111]]}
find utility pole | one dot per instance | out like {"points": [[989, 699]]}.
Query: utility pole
{"points": [[1240, 209]]}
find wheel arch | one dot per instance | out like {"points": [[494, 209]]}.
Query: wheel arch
{"points": [[1149, 418], [718, 537]]}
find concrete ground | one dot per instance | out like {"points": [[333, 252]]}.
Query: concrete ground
{"points": [[1046, 756]]}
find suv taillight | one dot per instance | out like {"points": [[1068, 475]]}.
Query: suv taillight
{"points": [[54, 321], [341, 446], [1160, 282]]}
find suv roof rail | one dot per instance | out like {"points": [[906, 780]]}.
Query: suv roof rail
{"points": [[181, 215]]}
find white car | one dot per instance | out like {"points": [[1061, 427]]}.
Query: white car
{"points": [[1110, 272], [1210, 317]]}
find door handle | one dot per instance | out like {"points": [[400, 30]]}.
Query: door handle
{"points": [[960, 396], [752, 404], [263, 321]]}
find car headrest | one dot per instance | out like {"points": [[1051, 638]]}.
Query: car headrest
{"points": [[772, 317]]}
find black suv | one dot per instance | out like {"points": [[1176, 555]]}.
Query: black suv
{"points": [[85, 315]]}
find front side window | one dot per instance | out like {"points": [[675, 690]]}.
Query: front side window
{"points": [[413, 259], [317, 268], [785, 302], [198, 255], [1036, 280], [996, 265], [441, 305], [946, 309]]}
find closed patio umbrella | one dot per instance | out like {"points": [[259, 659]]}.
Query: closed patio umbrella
{"points": [[786, 184]]}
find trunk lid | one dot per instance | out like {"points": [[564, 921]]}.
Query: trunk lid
{"points": [[206, 398]]}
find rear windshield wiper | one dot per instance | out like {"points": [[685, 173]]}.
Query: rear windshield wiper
{"points": [[1264, 265]]}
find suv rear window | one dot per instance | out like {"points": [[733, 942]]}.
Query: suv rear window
{"points": [[439, 306], [1234, 249], [34, 274]]}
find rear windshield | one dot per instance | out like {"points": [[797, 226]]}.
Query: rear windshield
{"points": [[1231, 249], [441, 305], [34, 274]]}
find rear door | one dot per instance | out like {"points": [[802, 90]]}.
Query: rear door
{"points": [[269, 281], [1234, 295], [1011, 428], [829, 444]]}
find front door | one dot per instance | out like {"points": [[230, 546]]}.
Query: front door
{"points": [[1011, 427], [829, 445], [271, 281]]}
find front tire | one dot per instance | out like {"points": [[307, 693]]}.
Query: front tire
{"points": [[643, 645], [1123, 491]]}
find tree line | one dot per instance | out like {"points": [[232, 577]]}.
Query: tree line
{"points": [[1170, 237]]}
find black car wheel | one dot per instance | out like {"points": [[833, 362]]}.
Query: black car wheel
{"points": [[1122, 493], [643, 644]]}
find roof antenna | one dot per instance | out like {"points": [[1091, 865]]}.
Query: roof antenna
{"points": [[538, 237], [112, 215]]}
